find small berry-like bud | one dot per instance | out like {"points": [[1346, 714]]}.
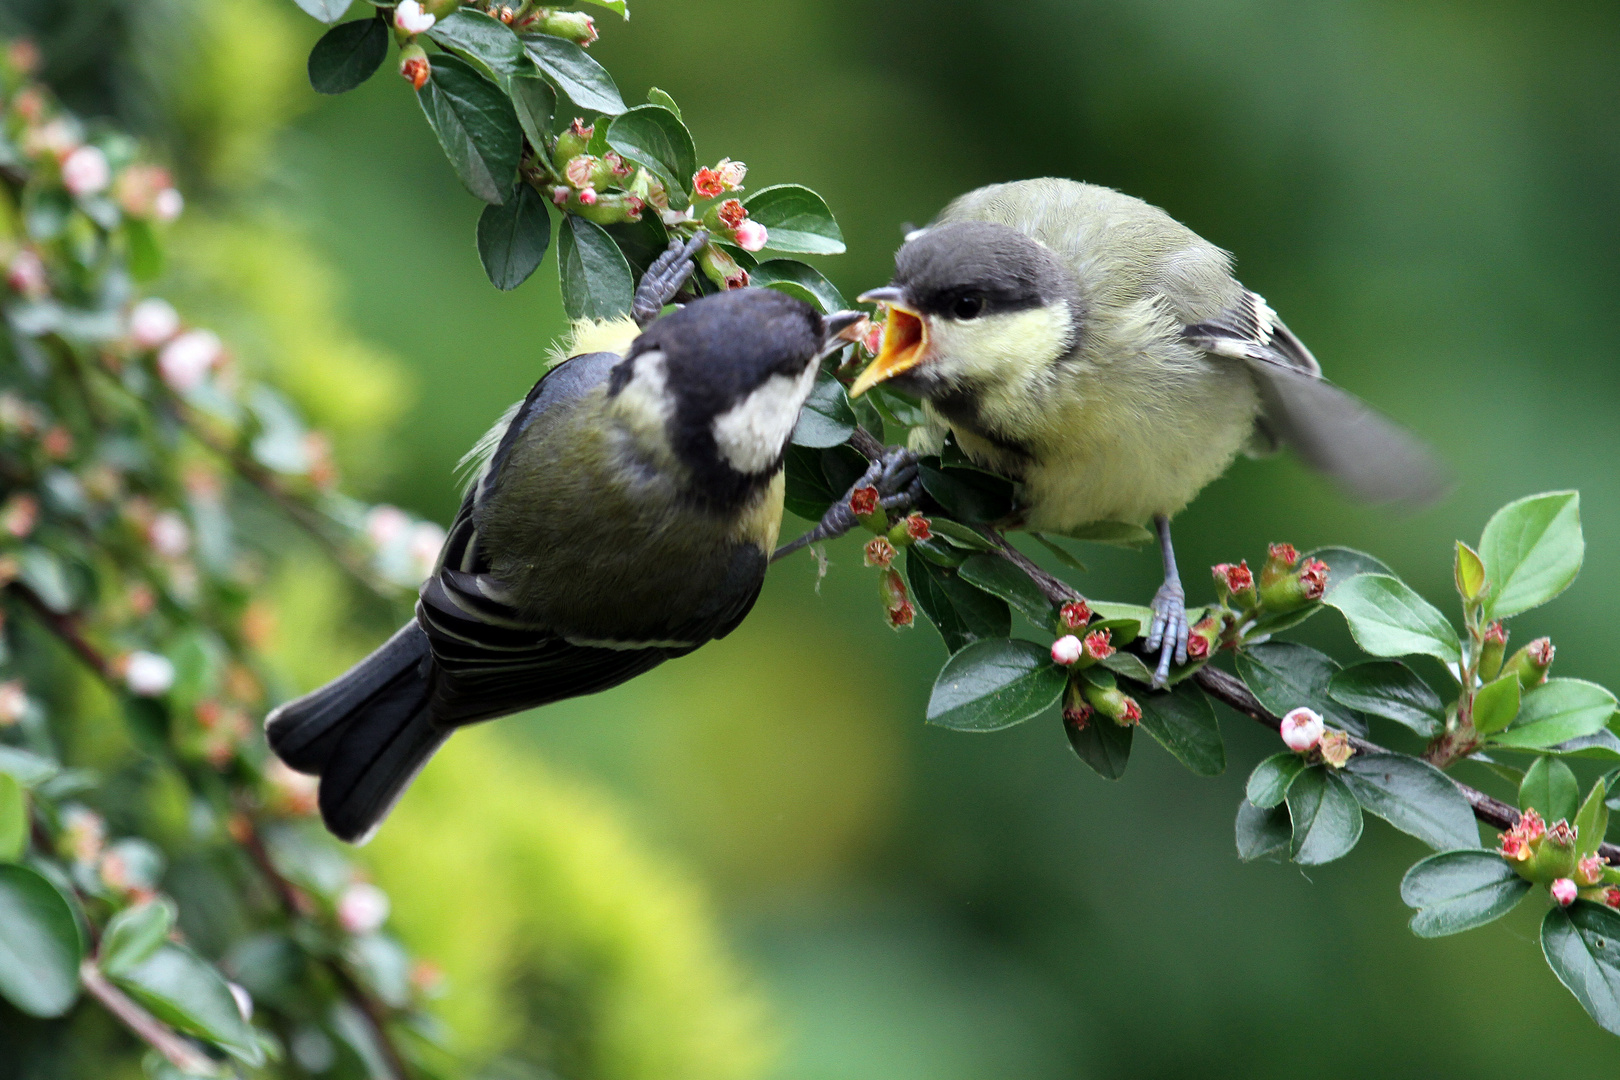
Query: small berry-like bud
{"points": [[863, 502], [414, 67], [1287, 587], [1313, 579], [13, 702], [1077, 711], [85, 171], [706, 184], [169, 535], [1066, 650], [879, 552], [1611, 896], [1302, 729], [152, 322], [731, 173], [1075, 614], [26, 274], [1335, 748], [721, 268], [730, 214], [185, 361], [1202, 637], [1235, 583], [148, 674], [918, 528], [1113, 703], [411, 19], [752, 236], [575, 26], [19, 515], [1531, 662], [1098, 645], [362, 908], [587, 196], [1563, 890], [1561, 834], [580, 169], [1589, 871], [1491, 649]]}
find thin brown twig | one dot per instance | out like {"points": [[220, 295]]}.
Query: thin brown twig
{"points": [[158, 1035]]}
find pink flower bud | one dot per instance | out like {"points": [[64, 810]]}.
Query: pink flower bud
{"points": [[731, 214], [185, 361], [751, 236], [587, 196], [26, 274], [1235, 581], [1302, 729], [1313, 579], [1098, 644], [13, 702], [169, 203], [863, 501], [560, 196], [169, 535], [427, 539], [1202, 637], [362, 908], [879, 552], [152, 322], [409, 17], [386, 524], [85, 171], [1589, 871], [1075, 614], [1067, 650], [148, 674], [84, 832], [19, 515], [706, 183], [731, 173], [1564, 891]]}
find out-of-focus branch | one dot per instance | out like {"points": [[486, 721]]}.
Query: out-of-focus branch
{"points": [[159, 1036]]}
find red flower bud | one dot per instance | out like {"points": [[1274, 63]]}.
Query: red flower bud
{"points": [[902, 615], [1611, 896], [879, 552], [1202, 638], [1564, 891], [863, 501], [414, 66], [1074, 615], [1097, 644], [1530, 663], [731, 214], [1236, 582], [706, 184], [1313, 579], [587, 197], [1283, 553], [1492, 647], [917, 527]]}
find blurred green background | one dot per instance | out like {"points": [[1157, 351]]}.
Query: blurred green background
{"points": [[1428, 192]]}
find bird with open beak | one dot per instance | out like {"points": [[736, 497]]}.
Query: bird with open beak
{"points": [[1088, 346]]}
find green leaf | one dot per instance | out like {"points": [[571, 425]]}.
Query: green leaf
{"points": [[1129, 665], [476, 126], [535, 104], [40, 947], [1183, 722], [1268, 783], [1269, 626], [997, 576], [656, 96], [186, 991], [960, 535], [1392, 690], [347, 55], [1285, 675], [145, 253], [1116, 613], [1413, 796], [1549, 788], [328, 11], [815, 478], [616, 6], [1582, 946], [1532, 550], [654, 137], [1346, 563], [824, 294], [968, 494], [1556, 711], [1062, 554], [1469, 571], [995, 684], [134, 934], [961, 613], [1496, 704], [1388, 619], [1113, 533], [28, 769], [1326, 817], [596, 282], [513, 237], [1459, 890], [797, 219], [1103, 745], [1262, 832], [13, 819], [827, 419], [1591, 821], [571, 70], [477, 36], [1598, 746]]}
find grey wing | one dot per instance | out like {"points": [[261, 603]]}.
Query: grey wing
{"points": [[1331, 429], [491, 659]]}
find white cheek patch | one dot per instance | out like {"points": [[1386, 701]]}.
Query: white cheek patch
{"points": [[645, 392], [752, 433], [1022, 342]]}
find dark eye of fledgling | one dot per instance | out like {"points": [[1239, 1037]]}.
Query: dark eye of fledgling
{"points": [[968, 307]]}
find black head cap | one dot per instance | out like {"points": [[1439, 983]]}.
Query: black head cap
{"points": [[968, 268]]}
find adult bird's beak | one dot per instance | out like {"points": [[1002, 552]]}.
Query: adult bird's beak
{"points": [[841, 328], [905, 340]]}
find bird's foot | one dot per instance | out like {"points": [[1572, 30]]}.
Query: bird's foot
{"points": [[899, 484], [1168, 631], [664, 278], [893, 476]]}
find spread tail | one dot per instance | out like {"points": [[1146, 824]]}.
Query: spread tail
{"points": [[366, 734]]}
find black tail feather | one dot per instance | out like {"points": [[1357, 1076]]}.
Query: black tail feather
{"points": [[366, 734]]}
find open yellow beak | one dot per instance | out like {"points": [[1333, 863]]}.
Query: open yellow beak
{"points": [[905, 343]]}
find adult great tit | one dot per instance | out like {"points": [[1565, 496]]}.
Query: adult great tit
{"points": [[623, 514], [1100, 353]]}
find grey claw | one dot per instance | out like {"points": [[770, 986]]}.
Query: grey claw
{"points": [[1167, 634], [665, 278]]}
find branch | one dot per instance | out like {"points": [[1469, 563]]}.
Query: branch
{"points": [[179, 1053]]}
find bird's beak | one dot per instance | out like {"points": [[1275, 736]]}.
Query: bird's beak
{"points": [[905, 340], [841, 328]]}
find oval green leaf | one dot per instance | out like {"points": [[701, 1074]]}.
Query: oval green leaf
{"points": [[347, 55], [797, 219], [596, 282], [655, 138], [1326, 817], [135, 934], [997, 576], [1346, 563], [1556, 711], [1262, 832], [1285, 675], [1591, 821], [1459, 890], [328, 11], [13, 818], [792, 271], [535, 103], [1390, 689], [1532, 550], [1496, 704], [182, 989], [1582, 946], [475, 125], [477, 36], [1268, 783], [1550, 789], [827, 418], [1388, 619], [28, 769], [513, 237], [968, 494], [1413, 796], [570, 69], [961, 613], [40, 947], [1103, 745], [995, 684], [1183, 722]]}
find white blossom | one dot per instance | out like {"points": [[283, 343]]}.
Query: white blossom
{"points": [[362, 908], [85, 171], [184, 362], [152, 322], [148, 674], [1302, 729], [410, 17]]}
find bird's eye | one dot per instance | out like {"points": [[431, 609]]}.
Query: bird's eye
{"points": [[968, 307]]}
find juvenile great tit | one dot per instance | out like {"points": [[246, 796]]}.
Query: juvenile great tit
{"points": [[622, 514], [1100, 353]]}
